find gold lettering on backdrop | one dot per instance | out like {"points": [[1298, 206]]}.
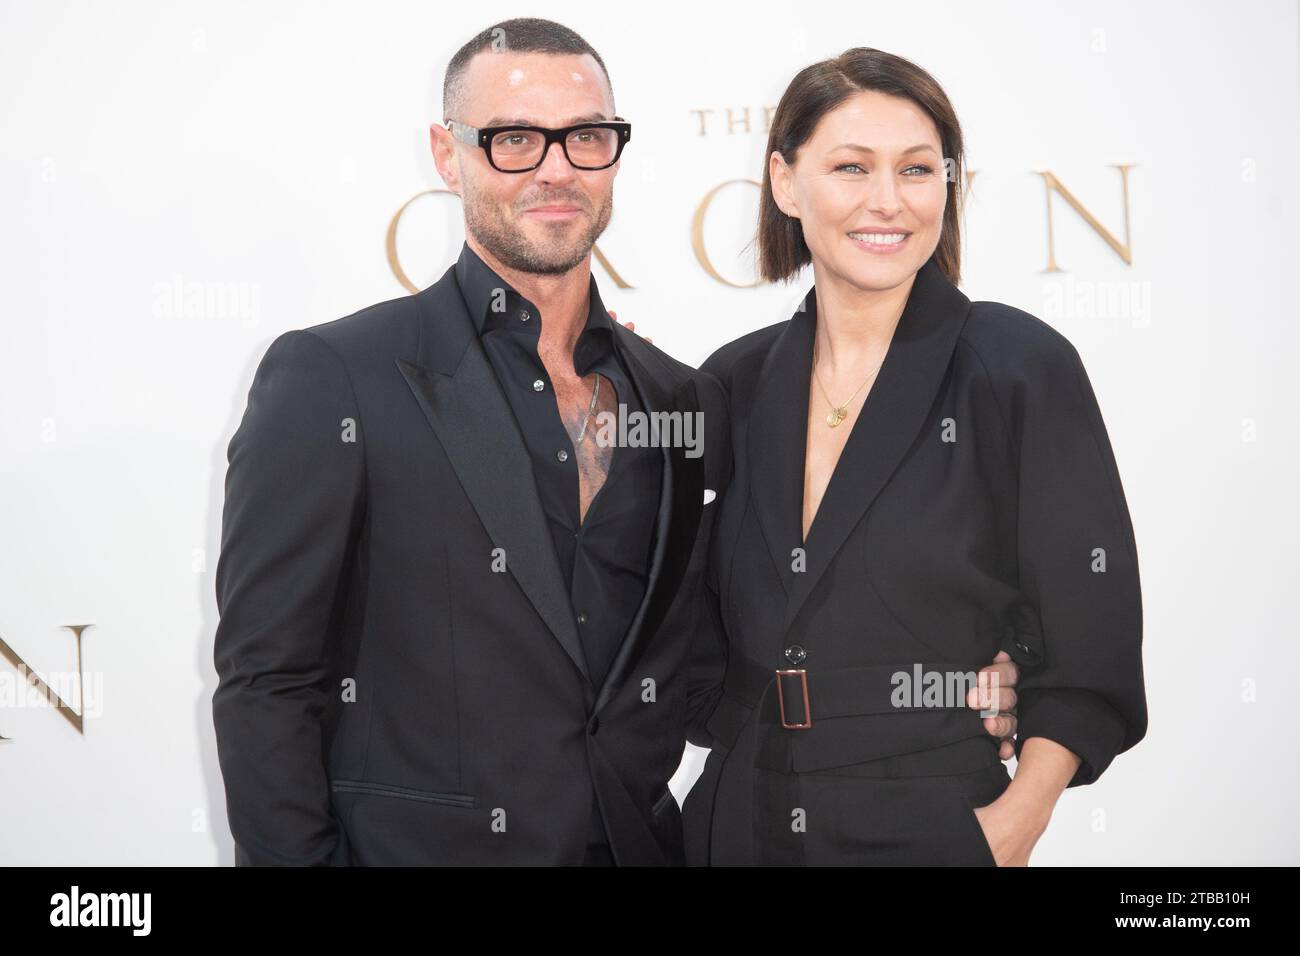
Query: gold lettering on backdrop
{"points": [[395, 264], [967, 187], [75, 718], [737, 120], [608, 267], [1124, 250], [390, 241], [697, 233], [733, 121]]}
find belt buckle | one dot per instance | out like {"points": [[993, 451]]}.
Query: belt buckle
{"points": [[780, 694]]}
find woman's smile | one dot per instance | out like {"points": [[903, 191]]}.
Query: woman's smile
{"points": [[880, 243]]}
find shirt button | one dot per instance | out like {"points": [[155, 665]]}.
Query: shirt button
{"points": [[795, 654], [524, 315], [538, 385], [582, 619], [562, 455]]}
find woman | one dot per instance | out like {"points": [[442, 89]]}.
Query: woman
{"points": [[919, 481]]}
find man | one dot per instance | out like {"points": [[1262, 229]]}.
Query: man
{"points": [[458, 625]]}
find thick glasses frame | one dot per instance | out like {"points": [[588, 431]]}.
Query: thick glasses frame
{"points": [[482, 137]]}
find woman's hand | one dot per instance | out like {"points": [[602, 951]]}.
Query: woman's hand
{"points": [[1014, 821], [631, 326], [1012, 828], [995, 697]]}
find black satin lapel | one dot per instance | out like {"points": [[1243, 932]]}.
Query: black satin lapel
{"points": [[681, 502], [777, 437], [889, 421], [459, 394]]}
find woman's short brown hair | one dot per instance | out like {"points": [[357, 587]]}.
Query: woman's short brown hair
{"points": [[817, 90]]}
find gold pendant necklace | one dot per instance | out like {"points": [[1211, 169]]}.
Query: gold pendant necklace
{"points": [[837, 413]]}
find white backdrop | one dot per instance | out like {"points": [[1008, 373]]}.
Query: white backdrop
{"points": [[181, 182]]}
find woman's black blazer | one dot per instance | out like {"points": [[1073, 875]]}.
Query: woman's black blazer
{"points": [[976, 507]]}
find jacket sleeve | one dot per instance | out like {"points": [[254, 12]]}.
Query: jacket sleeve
{"points": [[294, 499], [707, 663], [1078, 570]]}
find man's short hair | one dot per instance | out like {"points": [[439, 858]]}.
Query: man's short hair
{"points": [[520, 35]]}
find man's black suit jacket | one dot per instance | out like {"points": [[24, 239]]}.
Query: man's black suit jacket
{"points": [[400, 676]]}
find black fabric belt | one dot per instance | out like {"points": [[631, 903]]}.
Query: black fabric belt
{"points": [[848, 692]]}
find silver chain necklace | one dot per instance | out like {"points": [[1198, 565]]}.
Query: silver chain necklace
{"points": [[590, 408]]}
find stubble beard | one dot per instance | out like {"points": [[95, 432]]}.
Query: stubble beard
{"points": [[552, 255]]}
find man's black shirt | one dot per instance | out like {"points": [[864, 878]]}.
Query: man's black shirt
{"points": [[604, 557]]}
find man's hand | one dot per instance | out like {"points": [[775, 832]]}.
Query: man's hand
{"points": [[995, 695]]}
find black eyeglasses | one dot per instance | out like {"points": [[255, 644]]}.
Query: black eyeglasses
{"points": [[517, 149]]}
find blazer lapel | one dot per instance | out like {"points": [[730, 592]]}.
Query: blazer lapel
{"points": [[453, 382], [681, 502], [776, 439], [889, 422]]}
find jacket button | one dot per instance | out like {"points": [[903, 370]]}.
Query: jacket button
{"points": [[795, 654], [593, 725]]}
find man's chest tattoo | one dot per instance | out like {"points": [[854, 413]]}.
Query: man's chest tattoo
{"points": [[593, 455]]}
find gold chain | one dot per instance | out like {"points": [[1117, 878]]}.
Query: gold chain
{"points": [[840, 412]]}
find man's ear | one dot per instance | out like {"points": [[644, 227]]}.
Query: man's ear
{"points": [[781, 174], [444, 156]]}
